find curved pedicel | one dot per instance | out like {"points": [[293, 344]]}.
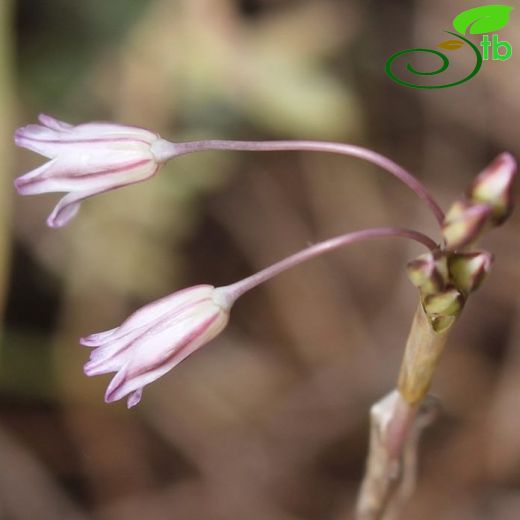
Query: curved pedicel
{"points": [[445, 64]]}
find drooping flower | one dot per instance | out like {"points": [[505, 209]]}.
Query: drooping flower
{"points": [[156, 338], [85, 160], [160, 335]]}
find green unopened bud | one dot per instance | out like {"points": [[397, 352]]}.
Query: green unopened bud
{"points": [[468, 270], [429, 272], [446, 303], [463, 223], [494, 186]]}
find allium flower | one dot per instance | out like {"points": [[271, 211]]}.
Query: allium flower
{"points": [[84, 160], [156, 338], [159, 336]]}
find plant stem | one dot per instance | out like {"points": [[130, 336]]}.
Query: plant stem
{"points": [[170, 150], [395, 424], [235, 290], [390, 480], [423, 350]]}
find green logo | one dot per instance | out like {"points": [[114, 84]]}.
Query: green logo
{"points": [[479, 20]]}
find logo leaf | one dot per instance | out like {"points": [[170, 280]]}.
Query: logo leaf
{"points": [[483, 19], [451, 45]]}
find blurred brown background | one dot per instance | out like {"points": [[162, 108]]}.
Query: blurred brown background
{"points": [[270, 421]]}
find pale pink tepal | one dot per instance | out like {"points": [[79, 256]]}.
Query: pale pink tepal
{"points": [[85, 160], [156, 338]]}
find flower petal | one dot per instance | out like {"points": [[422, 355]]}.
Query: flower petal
{"points": [[55, 124], [67, 208], [55, 137], [155, 356], [39, 139], [85, 171], [94, 340], [171, 305], [121, 348], [30, 183], [134, 398], [117, 381], [111, 356], [108, 131]]}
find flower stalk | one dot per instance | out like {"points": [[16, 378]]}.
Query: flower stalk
{"points": [[156, 338], [239, 288], [350, 150], [95, 157]]}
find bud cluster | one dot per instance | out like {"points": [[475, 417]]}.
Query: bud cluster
{"points": [[447, 276], [445, 280], [487, 203]]}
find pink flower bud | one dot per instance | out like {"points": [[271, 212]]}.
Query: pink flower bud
{"points": [[429, 272], [494, 186], [84, 160], [156, 338], [468, 270], [464, 223]]}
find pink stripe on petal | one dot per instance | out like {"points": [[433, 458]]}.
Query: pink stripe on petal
{"points": [[64, 174], [116, 352], [179, 354], [91, 369], [115, 348], [96, 368], [156, 352], [46, 149], [117, 381], [58, 141], [60, 178], [177, 300], [101, 180], [102, 170], [28, 184], [176, 317], [115, 130], [145, 336], [126, 380]]}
